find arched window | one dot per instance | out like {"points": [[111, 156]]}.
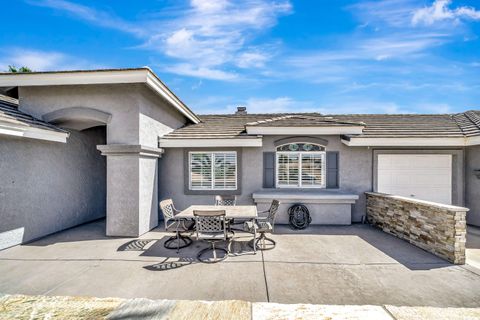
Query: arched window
{"points": [[300, 165]]}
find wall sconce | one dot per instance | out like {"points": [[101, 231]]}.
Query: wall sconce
{"points": [[476, 172]]}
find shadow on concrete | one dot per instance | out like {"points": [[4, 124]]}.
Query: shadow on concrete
{"points": [[473, 237], [93, 230], [408, 255], [136, 245], [401, 251], [185, 256]]}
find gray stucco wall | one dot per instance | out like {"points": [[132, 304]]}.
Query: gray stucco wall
{"points": [[472, 185], [46, 187], [138, 117], [355, 173]]}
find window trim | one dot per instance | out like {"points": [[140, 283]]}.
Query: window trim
{"points": [[212, 171], [323, 153]]}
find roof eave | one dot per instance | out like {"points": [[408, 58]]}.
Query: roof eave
{"points": [[210, 142], [110, 76], [24, 131], [410, 141]]}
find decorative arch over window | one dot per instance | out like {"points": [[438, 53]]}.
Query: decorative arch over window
{"points": [[304, 139], [300, 165], [300, 147]]}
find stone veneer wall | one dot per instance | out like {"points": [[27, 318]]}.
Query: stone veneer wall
{"points": [[434, 227]]}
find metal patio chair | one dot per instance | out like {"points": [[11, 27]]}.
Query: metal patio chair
{"points": [[211, 226], [225, 200], [175, 224], [263, 225]]}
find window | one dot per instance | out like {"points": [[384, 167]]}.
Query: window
{"points": [[300, 165], [213, 170]]}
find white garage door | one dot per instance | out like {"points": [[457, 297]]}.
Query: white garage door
{"points": [[425, 177]]}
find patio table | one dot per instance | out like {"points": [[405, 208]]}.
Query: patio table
{"points": [[231, 212]]}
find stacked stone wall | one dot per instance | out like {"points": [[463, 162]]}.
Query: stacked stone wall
{"points": [[434, 227]]}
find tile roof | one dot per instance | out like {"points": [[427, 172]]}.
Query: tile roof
{"points": [[294, 120], [469, 122], [375, 125], [223, 126], [408, 125], [9, 113]]}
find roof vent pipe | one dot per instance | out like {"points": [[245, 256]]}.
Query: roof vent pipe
{"points": [[241, 110]]}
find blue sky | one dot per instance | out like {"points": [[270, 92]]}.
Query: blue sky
{"points": [[391, 56]]}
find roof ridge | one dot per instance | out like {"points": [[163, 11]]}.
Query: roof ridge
{"points": [[473, 117], [303, 116], [270, 120]]}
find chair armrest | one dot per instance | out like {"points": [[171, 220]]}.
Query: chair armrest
{"points": [[261, 218]]}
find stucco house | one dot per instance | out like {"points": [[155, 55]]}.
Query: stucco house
{"points": [[76, 146]]}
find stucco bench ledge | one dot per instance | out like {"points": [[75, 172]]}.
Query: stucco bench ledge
{"points": [[326, 207]]}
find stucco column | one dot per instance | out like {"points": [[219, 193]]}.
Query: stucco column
{"points": [[132, 197]]}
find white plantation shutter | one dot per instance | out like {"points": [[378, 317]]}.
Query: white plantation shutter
{"points": [[288, 169], [213, 171], [300, 166], [312, 169], [225, 171], [200, 171]]}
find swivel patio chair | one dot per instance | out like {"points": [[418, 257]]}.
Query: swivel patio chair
{"points": [[211, 226], [225, 200], [175, 224], [263, 225]]}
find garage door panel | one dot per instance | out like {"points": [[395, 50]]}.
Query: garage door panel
{"points": [[426, 177], [405, 179]]}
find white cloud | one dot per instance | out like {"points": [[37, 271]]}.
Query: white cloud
{"points": [[361, 56], [269, 105], [38, 60], [217, 33], [439, 11], [201, 72], [88, 14], [203, 38], [366, 106], [253, 59], [378, 14], [290, 105], [209, 5]]}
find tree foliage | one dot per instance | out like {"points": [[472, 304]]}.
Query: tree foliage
{"points": [[14, 69]]}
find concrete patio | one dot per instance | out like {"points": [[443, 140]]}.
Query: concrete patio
{"points": [[350, 265]]}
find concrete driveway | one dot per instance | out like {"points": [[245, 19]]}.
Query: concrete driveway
{"points": [[353, 265]]}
